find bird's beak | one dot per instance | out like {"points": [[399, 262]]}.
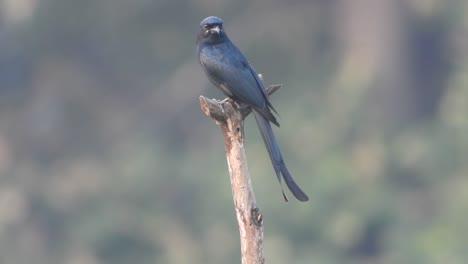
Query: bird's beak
{"points": [[216, 29]]}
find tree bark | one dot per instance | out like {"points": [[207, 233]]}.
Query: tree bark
{"points": [[230, 117]]}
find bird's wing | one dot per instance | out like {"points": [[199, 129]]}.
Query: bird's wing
{"points": [[229, 70], [232, 74], [262, 88]]}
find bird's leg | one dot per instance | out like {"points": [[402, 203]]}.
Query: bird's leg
{"points": [[243, 107], [225, 100], [240, 106]]}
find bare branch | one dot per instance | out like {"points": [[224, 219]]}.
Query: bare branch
{"points": [[230, 117]]}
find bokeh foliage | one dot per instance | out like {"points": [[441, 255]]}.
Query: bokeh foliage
{"points": [[105, 156]]}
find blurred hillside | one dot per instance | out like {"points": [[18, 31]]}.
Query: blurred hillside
{"points": [[105, 156]]}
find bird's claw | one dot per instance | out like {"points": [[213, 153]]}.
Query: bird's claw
{"points": [[225, 100]]}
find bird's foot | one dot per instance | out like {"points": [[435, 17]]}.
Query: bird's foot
{"points": [[243, 107], [225, 100]]}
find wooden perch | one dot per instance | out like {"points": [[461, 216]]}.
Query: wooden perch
{"points": [[230, 116]]}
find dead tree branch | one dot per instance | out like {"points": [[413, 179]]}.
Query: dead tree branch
{"points": [[230, 117]]}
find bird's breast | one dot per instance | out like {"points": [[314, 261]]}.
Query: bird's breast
{"points": [[213, 54]]}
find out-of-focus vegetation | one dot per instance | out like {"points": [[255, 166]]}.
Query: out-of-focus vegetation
{"points": [[106, 158]]}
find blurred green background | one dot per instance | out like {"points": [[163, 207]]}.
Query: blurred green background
{"points": [[105, 156]]}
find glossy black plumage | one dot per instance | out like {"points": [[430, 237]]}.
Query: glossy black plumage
{"points": [[228, 69]]}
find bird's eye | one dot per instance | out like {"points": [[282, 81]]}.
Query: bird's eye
{"points": [[206, 27]]}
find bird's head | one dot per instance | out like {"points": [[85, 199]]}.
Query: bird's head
{"points": [[211, 29]]}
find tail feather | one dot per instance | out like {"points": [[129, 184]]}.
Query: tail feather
{"points": [[267, 114], [276, 158]]}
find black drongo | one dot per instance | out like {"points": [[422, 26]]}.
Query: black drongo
{"points": [[228, 69]]}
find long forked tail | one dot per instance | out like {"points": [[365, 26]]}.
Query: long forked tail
{"points": [[276, 159]]}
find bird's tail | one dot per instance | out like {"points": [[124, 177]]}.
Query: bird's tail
{"points": [[276, 158]]}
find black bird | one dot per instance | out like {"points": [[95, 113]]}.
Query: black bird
{"points": [[228, 69]]}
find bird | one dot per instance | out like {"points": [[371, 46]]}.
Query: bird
{"points": [[228, 69]]}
